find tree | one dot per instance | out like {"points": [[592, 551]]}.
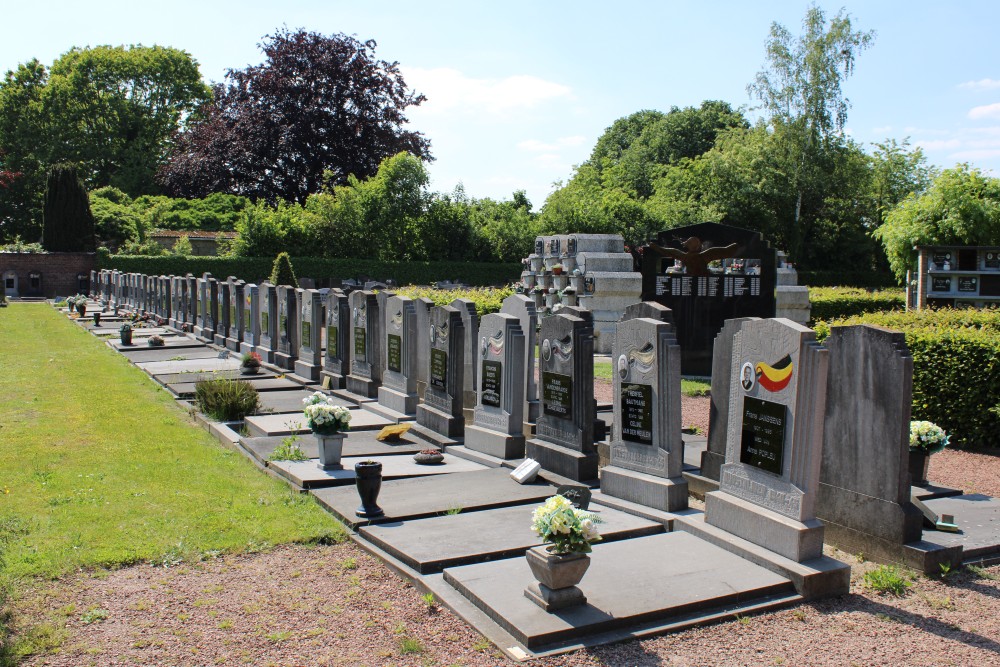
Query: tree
{"points": [[318, 108], [897, 172], [68, 222], [282, 272], [800, 89], [961, 207]]}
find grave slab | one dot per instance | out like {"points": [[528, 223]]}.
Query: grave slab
{"points": [[189, 366], [407, 499], [697, 576], [171, 342], [145, 354], [280, 402], [308, 475], [143, 332], [357, 443], [432, 544], [978, 520], [279, 424]]}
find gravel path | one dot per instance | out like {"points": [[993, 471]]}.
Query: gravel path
{"points": [[336, 605]]}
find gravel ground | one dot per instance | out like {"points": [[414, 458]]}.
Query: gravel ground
{"points": [[336, 605]]}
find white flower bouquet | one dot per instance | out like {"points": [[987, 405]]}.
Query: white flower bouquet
{"points": [[324, 416], [566, 528], [927, 437]]}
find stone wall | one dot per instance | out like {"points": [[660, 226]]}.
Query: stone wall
{"points": [[46, 274]]}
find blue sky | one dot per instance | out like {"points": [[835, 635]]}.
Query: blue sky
{"points": [[518, 92]]}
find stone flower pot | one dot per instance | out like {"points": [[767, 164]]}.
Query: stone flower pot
{"points": [[368, 477], [126, 335], [331, 448], [427, 458], [249, 370], [920, 461], [558, 576]]}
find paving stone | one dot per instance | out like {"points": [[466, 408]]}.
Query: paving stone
{"points": [[308, 475], [189, 366], [429, 496], [429, 545], [279, 424], [136, 333], [977, 517], [630, 582], [357, 443], [283, 401]]}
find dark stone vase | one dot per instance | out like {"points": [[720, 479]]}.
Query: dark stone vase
{"points": [[126, 336], [97, 319], [82, 309], [919, 463], [368, 477]]}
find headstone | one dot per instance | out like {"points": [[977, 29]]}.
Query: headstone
{"points": [[470, 325], [524, 310], [422, 306], [647, 453], [250, 318], [175, 302], [268, 322], [564, 434], [706, 274], [864, 490], [497, 427], [399, 381], [365, 348], [190, 300], [288, 315], [718, 413], [236, 324], [767, 493], [441, 410], [310, 353], [223, 311], [337, 361]]}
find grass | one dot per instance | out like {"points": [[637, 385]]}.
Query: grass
{"points": [[602, 371], [104, 470], [887, 579]]}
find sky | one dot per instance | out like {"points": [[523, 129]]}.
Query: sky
{"points": [[519, 92]]}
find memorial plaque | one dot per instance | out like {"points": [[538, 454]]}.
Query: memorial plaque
{"points": [[968, 284], [359, 342], [637, 413], [265, 320], [939, 260], [941, 284], [306, 333], [579, 496], [331, 342], [492, 370], [992, 260], [762, 443], [394, 353], [439, 369], [539, 247], [557, 395]]}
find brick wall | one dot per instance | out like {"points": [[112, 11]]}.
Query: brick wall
{"points": [[45, 274]]}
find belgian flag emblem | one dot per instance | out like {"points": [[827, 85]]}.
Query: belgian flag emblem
{"points": [[775, 378]]}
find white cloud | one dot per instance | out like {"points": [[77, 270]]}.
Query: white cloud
{"points": [[884, 130], [534, 145], [449, 89], [986, 111], [973, 155], [982, 84]]}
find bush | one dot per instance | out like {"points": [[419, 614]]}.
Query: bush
{"points": [[863, 279], [487, 299], [956, 368], [226, 400], [887, 579], [830, 303], [282, 272]]}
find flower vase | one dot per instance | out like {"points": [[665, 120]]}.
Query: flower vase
{"points": [[97, 319], [919, 463], [368, 477], [249, 370], [558, 576], [331, 448], [126, 337]]}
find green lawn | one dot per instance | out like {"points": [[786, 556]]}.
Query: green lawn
{"points": [[602, 371], [99, 467]]}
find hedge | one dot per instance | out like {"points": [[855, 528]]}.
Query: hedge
{"points": [[829, 303], [863, 279], [956, 368], [487, 299], [258, 268]]}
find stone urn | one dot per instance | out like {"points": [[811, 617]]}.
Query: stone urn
{"points": [[97, 318], [919, 463], [331, 448], [428, 457], [558, 576], [249, 370], [368, 477], [126, 335]]}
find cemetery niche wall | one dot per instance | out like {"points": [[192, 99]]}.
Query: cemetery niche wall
{"points": [[706, 274], [956, 277]]}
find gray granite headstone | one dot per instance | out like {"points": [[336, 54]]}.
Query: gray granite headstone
{"points": [[470, 324], [288, 317], [864, 491], [268, 322], [176, 317], [212, 315], [399, 355], [767, 493], [236, 323], [497, 427], [441, 410], [647, 453], [190, 300], [223, 312], [310, 359], [422, 305], [366, 347], [650, 309], [564, 433], [718, 413], [336, 361], [250, 318], [524, 310]]}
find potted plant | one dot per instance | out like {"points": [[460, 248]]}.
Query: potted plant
{"points": [[926, 438], [368, 478], [557, 269], [126, 333], [81, 305], [327, 420], [155, 341], [568, 533], [429, 457], [250, 363]]}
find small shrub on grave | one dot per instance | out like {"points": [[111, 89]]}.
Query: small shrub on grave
{"points": [[226, 400]]}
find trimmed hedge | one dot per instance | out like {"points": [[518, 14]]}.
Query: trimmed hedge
{"points": [[830, 303], [257, 268], [487, 299], [863, 279], [956, 368]]}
